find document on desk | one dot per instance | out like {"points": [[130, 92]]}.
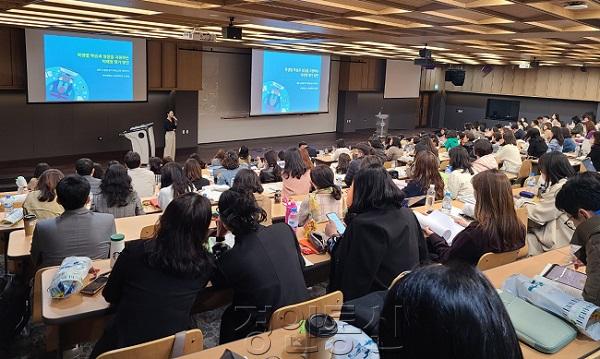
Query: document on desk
{"points": [[441, 224], [543, 293]]}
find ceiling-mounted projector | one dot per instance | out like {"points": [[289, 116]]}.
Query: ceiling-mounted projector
{"points": [[199, 36]]}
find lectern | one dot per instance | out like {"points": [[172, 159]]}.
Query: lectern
{"points": [[142, 140]]}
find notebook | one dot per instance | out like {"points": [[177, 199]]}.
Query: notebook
{"points": [[441, 224]]}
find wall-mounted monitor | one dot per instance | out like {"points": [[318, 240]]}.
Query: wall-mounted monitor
{"points": [[502, 110], [285, 83], [76, 67]]}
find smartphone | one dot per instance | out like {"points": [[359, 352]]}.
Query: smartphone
{"points": [[95, 286], [566, 276], [333, 217]]}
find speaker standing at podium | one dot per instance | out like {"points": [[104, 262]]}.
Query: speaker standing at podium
{"points": [[170, 126]]}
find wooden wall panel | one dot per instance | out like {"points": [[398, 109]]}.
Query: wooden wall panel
{"points": [[169, 64], [508, 84], [18, 59], [189, 69], [6, 78], [593, 86], [154, 50], [542, 82]]}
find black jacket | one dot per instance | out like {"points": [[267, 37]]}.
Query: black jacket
{"points": [[376, 247], [150, 304], [353, 169], [264, 269], [268, 175], [595, 156], [537, 147]]}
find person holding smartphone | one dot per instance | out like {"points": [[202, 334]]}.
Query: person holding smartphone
{"points": [[382, 239]]}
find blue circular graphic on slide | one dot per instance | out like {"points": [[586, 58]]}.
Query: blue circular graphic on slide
{"points": [[275, 98], [63, 84]]}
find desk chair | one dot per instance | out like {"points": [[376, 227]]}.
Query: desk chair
{"points": [[330, 304], [187, 342], [492, 260], [443, 165], [523, 218], [148, 232], [524, 172], [388, 164]]}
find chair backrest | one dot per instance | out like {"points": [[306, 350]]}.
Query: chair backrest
{"points": [[444, 164], [148, 232], [492, 260], [158, 349], [525, 169], [523, 218], [36, 307], [388, 164], [330, 304]]}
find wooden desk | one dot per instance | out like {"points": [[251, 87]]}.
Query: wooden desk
{"points": [[7, 228]]}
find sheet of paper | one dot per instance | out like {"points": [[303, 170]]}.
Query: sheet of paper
{"points": [[308, 263], [441, 224]]}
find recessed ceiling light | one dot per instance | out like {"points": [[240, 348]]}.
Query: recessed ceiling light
{"points": [[575, 5], [49, 14], [270, 28], [26, 25], [72, 11], [104, 6]]}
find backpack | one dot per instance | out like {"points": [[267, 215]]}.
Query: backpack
{"points": [[14, 308]]}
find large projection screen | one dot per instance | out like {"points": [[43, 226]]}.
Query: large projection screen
{"points": [[77, 67], [284, 83], [402, 79]]}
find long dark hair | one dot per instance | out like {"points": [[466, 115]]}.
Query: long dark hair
{"points": [[231, 160], [555, 166], [343, 163], [271, 159], [192, 170], [459, 159], [428, 314], [178, 246], [374, 189], [40, 168], [155, 164], [240, 213], [495, 211], [294, 165], [171, 174], [116, 186], [426, 172], [322, 177], [557, 134], [47, 183], [247, 180], [509, 138]]}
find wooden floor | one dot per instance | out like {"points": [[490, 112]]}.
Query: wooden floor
{"points": [[10, 170]]}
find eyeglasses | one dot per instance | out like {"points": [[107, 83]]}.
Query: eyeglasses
{"points": [[569, 223]]}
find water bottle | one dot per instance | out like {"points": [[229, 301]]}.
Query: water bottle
{"points": [[531, 183], [293, 218], [8, 204], [447, 203], [430, 198], [448, 169]]}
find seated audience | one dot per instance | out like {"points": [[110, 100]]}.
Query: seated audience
{"points": [[466, 140], [424, 173], [451, 140], [579, 198], [296, 177], [594, 154], [437, 312], [244, 156], [377, 149], [485, 160], [37, 172], [264, 268], [312, 152], [85, 168], [459, 180], [218, 159], [99, 170], [496, 227], [155, 282], [76, 232], [247, 181], [306, 158], [117, 196], [341, 167], [590, 129], [518, 130], [537, 145], [193, 171], [340, 147], [155, 164], [173, 183], [272, 171], [546, 227], [359, 150], [381, 240], [426, 144], [394, 151], [143, 181], [231, 166], [42, 201], [326, 198], [569, 146], [509, 156], [577, 126], [555, 140]]}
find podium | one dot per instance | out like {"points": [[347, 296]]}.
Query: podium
{"points": [[382, 125], [142, 140]]}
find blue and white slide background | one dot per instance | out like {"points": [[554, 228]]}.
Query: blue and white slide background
{"points": [[88, 69], [291, 83]]}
